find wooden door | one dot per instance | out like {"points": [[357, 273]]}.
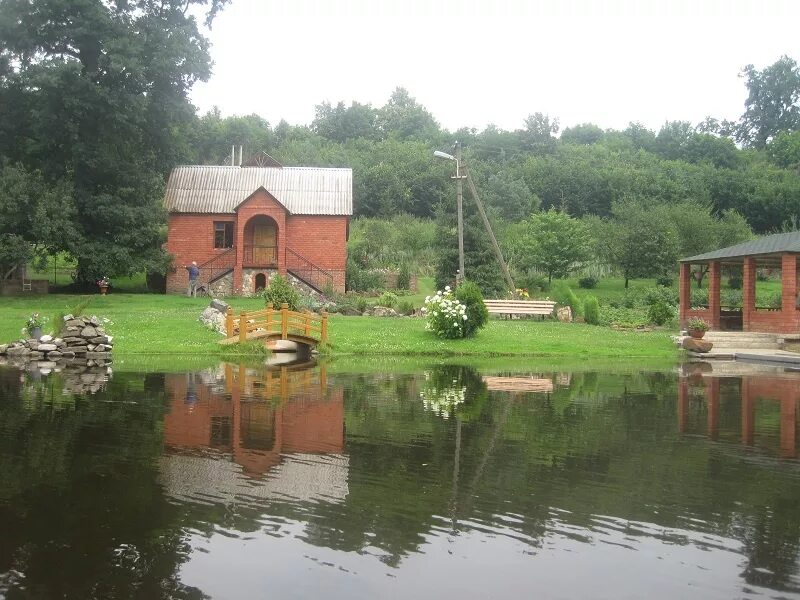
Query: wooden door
{"points": [[264, 244]]}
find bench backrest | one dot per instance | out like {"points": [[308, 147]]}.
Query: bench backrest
{"points": [[528, 307]]}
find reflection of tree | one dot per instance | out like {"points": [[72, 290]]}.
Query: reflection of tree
{"points": [[80, 509]]}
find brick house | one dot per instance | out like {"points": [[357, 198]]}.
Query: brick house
{"points": [[241, 224]]}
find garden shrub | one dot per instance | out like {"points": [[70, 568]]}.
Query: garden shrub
{"points": [[623, 317], [735, 283], [564, 296], [387, 299], [660, 313], [404, 277], [591, 310], [359, 279], [587, 283], [699, 297], [469, 294], [534, 283], [664, 280], [405, 307], [445, 316], [361, 304], [279, 291], [731, 298]]}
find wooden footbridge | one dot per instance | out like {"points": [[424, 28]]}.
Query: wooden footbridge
{"points": [[306, 328]]}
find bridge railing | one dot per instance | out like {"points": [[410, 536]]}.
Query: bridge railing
{"points": [[262, 323]]}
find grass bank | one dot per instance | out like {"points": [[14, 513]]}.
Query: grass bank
{"points": [[156, 324]]}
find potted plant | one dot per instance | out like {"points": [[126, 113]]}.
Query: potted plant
{"points": [[34, 325], [103, 284], [696, 327]]}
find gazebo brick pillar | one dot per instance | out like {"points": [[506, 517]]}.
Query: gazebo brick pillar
{"points": [[789, 294], [685, 293], [713, 293], [748, 291]]}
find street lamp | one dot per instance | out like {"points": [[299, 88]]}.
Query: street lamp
{"points": [[459, 201]]}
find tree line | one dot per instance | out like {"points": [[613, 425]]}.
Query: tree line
{"points": [[94, 113]]}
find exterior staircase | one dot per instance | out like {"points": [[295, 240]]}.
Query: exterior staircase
{"points": [[302, 268], [744, 340], [217, 267]]}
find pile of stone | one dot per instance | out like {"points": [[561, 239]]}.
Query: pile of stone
{"points": [[213, 316], [81, 338]]}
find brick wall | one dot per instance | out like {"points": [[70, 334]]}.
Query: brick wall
{"points": [[190, 238], [321, 239]]}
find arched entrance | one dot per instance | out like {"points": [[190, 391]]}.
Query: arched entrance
{"points": [[260, 282], [261, 242]]}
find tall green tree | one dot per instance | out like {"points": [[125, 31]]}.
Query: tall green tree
{"points": [[773, 102], [644, 242], [552, 242], [94, 94]]}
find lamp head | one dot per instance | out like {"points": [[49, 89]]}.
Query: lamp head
{"points": [[445, 155]]}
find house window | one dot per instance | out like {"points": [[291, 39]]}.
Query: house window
{"points": [[223, 234]]}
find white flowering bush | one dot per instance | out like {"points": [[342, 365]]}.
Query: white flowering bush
{"points": [[442, 400], [444, 315]]}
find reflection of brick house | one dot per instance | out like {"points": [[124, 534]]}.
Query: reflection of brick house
{"points": [[255, 431], [241, 224]]}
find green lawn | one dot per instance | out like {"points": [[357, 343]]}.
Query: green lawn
{"points": [[154, 324]]}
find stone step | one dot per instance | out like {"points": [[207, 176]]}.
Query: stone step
{"points": [[718, 346], [740, 334]]}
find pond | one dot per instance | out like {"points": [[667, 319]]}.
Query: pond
{"points": [[396, 480]]}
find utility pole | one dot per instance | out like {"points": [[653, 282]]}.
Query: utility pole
{"points": [[495, 246], [460, 203]]}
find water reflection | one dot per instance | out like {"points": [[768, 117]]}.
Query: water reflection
{"points": [[447, 481], [261, 420], [775, 391]]}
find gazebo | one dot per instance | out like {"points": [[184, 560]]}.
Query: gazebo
{"points": [[773, 252]]}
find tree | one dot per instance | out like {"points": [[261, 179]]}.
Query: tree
{"points": [[773, 102], [35, 216], [95, 96], [552, 242], [341, 123], [538, 135], [586, 133], [645, 242], [404, 118], [784, 150]]}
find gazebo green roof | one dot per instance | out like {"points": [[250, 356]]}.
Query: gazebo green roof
{"points": [[767, 245]]}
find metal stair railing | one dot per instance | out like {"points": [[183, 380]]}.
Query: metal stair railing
{"points": [[218, 266], [315, 276]]}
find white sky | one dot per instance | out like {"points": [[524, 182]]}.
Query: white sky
{"points": [[472, 63]]}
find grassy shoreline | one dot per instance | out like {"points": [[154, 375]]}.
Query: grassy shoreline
{"points": [[156, 324]]}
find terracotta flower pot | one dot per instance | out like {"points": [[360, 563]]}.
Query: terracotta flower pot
{"points": [[103, 289], [697, 333]]}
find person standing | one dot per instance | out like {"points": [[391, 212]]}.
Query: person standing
{"points": [[194, 273]]}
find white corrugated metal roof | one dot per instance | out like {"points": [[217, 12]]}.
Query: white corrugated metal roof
{"points": [[302, 190]]}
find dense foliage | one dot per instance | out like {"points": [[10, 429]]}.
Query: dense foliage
{"points": [[279, 292], [469, 294]]}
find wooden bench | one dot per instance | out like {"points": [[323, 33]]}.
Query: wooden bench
{"points": [[520, 307]]}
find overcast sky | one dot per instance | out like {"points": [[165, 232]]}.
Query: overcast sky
{"points": [[474, 63]]}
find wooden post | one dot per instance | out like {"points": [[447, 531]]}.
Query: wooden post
{"points": [[229, 323], [307, 325], [269, 318], [324, 332], [242, 327], [284, 320]]}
